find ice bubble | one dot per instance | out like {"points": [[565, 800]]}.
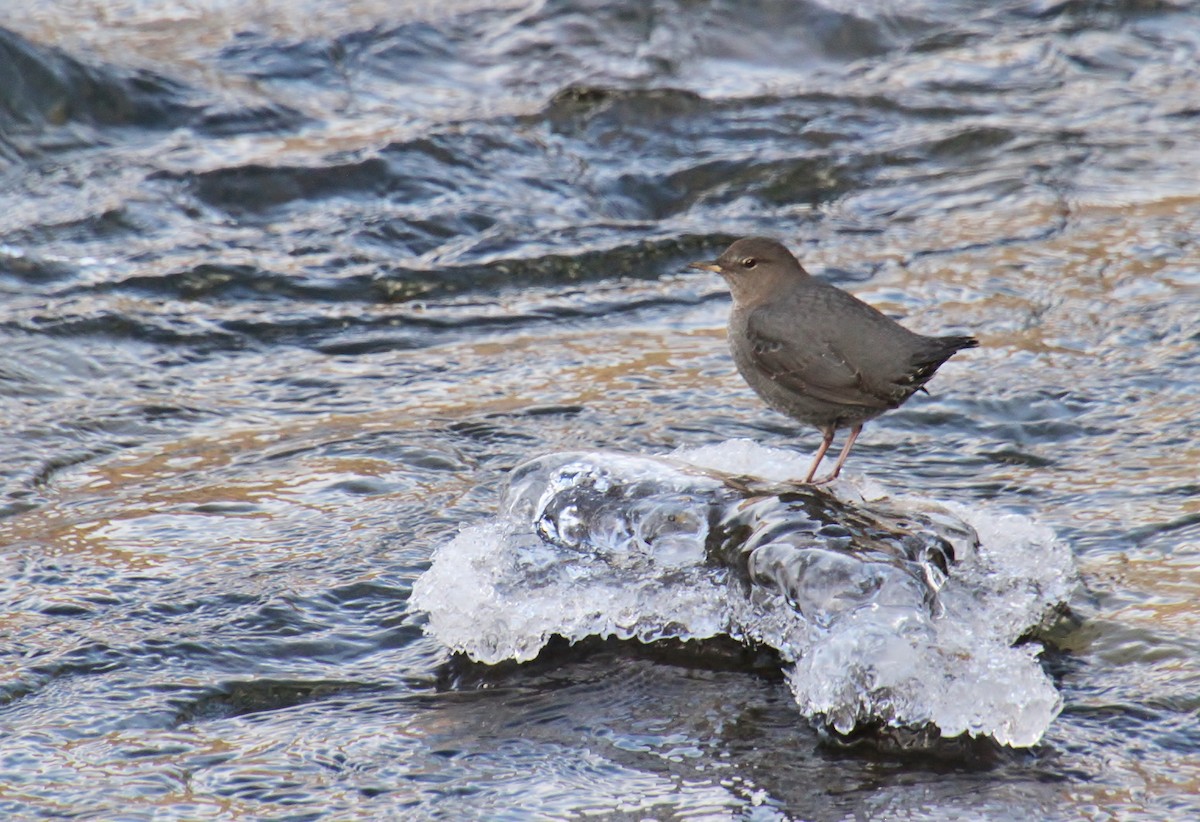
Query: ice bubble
{"points": [[888, 610]]}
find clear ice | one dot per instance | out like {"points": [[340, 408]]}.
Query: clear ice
{"points": [[887, 609]]}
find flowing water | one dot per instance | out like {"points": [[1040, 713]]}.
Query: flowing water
{"points": [[287, 288]]}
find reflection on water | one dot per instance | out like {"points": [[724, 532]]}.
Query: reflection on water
{"points": [[286, 290]]}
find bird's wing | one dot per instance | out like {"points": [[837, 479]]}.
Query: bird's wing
{"points": [[813, 367]]}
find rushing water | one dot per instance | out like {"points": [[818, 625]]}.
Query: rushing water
{"points": [[287, 288]]}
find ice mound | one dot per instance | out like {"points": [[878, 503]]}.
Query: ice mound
{"points": [[888, 610]]}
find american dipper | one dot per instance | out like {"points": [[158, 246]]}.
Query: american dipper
{"points": [[815, 352]]}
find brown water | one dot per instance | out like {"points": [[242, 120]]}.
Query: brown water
{"points": [[285, 288]]}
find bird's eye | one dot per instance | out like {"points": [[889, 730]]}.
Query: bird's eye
{"points": [[749, 262]]}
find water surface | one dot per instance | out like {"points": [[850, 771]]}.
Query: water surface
{"points": [[286, 289]]}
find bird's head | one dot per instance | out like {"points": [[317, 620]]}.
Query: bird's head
{"points": [[754, 266]]}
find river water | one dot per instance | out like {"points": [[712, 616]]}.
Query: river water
{"points": [[286, 289]]}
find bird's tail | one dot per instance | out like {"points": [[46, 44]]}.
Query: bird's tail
{"points": [[938, 350], [953, 344]]}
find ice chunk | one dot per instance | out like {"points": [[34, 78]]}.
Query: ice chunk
{"points": [[630, 511], [887, 610]]}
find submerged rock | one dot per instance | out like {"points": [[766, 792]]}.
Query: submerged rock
{"points": [[888, 612]]}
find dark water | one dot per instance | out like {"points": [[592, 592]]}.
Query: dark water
{"points": [[285, 288]]}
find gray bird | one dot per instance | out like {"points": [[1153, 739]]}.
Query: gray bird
{"points": [[815, 352]]}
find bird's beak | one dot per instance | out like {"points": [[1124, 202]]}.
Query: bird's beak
{"points": [[703, 266]]}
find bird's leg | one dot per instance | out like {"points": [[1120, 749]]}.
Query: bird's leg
{"points": [[837, 469], [826, 441]]}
